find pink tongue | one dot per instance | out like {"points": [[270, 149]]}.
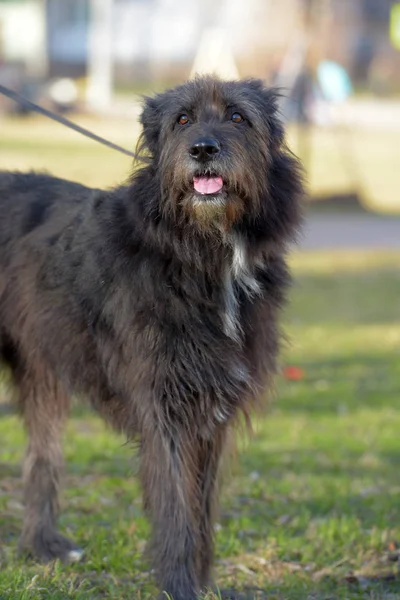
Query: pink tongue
{"points": [[208, 185]]}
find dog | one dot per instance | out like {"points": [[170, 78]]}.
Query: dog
{"points": [[158, 302]]}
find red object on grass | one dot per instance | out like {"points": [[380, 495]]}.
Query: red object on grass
{"points": [[293, 373]]}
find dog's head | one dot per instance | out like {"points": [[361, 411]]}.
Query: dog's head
{"points": [[218, 148]]}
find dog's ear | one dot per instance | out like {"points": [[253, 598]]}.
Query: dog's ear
{"points": [[285, 177], [150, 120], [267, 101]]}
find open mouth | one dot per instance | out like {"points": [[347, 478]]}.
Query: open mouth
{"points": [[208, 185]]}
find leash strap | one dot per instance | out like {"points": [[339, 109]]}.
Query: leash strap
{"points": [[5, 91]]}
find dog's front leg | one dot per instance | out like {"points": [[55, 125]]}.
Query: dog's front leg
{"points": [[172, 499]]}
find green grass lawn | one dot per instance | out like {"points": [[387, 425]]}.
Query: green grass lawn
{"points": [[311, 508], [34, 143]]}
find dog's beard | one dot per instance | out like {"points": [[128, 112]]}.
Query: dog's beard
{"points": [[216, 213], [187, 195], [209, 211]]}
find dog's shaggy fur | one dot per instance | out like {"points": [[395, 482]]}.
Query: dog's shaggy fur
{"points": [[158, 302]]}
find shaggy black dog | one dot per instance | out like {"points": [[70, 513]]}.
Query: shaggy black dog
{"points": [[158, 302]]}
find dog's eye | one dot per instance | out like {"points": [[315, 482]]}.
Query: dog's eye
{"points": [[183, 120], [237, 117]]}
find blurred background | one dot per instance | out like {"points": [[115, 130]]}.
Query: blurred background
{"points": [[337, 63]]}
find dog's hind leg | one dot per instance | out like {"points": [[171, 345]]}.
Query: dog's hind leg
{"points": [[209, 465], [45, 407]]}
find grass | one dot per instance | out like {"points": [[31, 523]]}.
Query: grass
{"points": [[39, 144], [310, 510]]}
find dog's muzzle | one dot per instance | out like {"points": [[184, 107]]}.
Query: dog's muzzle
{"points": [[203, 151]]}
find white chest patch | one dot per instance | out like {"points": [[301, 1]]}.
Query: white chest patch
{"points": [[238, 275]]}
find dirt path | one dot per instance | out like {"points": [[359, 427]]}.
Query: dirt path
{"points": [[350, 231]]}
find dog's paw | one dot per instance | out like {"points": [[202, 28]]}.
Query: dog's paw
{"points": [[47, 545], [253, 594]]}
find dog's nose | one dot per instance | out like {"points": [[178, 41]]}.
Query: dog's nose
{"points": [[204, 149]]}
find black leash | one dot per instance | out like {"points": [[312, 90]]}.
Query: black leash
{"points": [[5, 91]]}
